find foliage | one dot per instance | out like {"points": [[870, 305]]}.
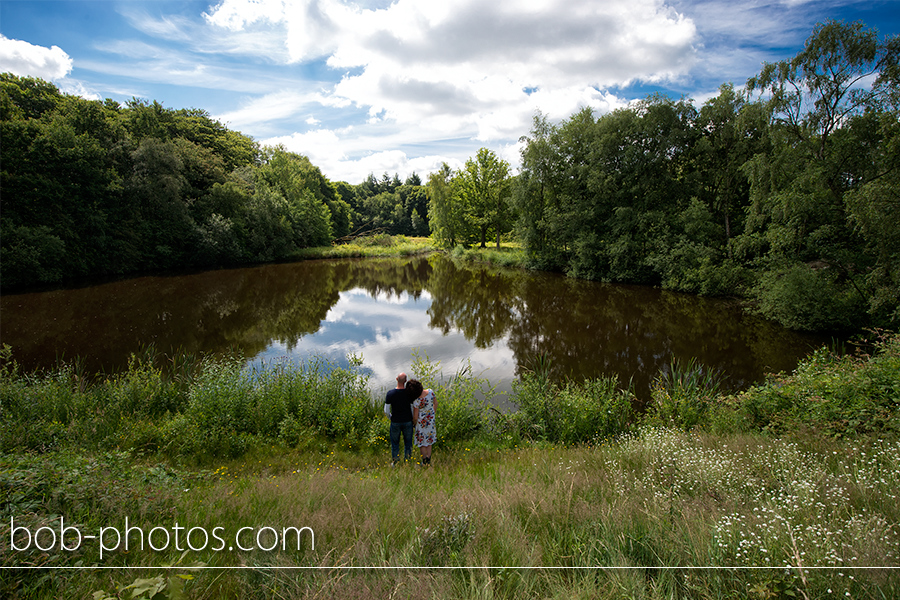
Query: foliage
{"points": [[573, 413], [682, 394], [800, 297], [446, 541], [782, 194], [388, 205], [839, 395], [483, 191], [94, 188], [161, 587]]}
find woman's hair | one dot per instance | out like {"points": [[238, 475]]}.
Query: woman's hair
{"points": [[414, 388]]}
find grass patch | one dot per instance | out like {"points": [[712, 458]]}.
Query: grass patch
{"points": [[508, 255], [377, 245], [638, 512]]}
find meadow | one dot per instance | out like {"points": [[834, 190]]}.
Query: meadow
{"points": [[229, 483]]}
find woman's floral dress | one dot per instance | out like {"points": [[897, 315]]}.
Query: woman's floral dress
{"points": [[425, 434]]}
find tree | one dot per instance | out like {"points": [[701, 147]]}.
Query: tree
{"points": [[732, 131], [827, 148], [446, 221], [485, 188], [302, 186], [535, 196]]}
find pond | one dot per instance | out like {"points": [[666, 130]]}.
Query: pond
{"points": [[494, 321]]}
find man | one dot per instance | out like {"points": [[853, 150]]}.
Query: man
{"points": [[398, 406]]}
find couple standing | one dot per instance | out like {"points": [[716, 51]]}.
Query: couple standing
{"points": [[411, 409]]}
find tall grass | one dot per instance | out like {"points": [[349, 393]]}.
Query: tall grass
{"points": [[659, 513], [571, 412], [208, 408], [682, 393]]}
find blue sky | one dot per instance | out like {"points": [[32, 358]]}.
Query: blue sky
{"points": [[373, 86]]}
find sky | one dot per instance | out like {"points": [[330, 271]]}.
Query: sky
{"points": [[374, 86]]}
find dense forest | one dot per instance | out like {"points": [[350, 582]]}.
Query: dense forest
{"points": [[785, 192], [96, 188]]}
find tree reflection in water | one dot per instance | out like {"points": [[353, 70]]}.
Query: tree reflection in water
{"points": [[500, 320]]}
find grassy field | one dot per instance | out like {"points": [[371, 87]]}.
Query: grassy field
{"points": [[660, 513], [371, 246], [509, 254]]}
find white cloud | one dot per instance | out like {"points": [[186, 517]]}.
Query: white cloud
{"points": [[278, 105], [426, 70], [24, 59], [77, 88]]}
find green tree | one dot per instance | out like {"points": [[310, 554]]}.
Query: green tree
{"points": [[444, 208], [484, 188], [536, 199], [301, 185], [732, 131], [827, 147]]}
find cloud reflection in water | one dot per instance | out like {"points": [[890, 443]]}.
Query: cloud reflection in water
{"points": [[387, 329]]}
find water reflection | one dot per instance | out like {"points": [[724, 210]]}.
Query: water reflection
{"points": [[385, 310]]}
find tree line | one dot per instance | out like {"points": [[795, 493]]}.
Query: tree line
{"points": [[97, 188], [786, 193]]}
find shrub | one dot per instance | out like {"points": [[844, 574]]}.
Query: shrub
{"points": [[573, 413], [800, 297], [849, 394], [682, 394]]}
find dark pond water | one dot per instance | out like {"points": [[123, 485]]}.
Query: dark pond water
{"points": [[386, 310]]}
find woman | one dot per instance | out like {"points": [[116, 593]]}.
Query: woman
{"points": [[423, 417]]}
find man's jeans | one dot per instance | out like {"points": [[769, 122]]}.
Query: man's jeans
{"points": [[407, 430]]}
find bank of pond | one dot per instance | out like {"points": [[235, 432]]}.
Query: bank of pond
{"points": [[279, 484], [212, 408]]}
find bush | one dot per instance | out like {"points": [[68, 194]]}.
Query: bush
{"points": [[802, 298], [573, 413], [682, 394], [839, 395]]}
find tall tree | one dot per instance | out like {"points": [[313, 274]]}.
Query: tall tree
{"points": [[444, 208], [535, 197], [823, 144], [485, 189]]}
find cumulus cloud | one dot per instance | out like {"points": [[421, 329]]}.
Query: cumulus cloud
{"points": [[419, 57], [24, 59], [464, 68]]}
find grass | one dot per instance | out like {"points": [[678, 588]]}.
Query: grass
{"points": [[509, 254], [634, 518], [370, 246], [774, 493]]}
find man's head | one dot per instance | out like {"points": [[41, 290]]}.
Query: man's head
{"points": [[401, 380]]}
